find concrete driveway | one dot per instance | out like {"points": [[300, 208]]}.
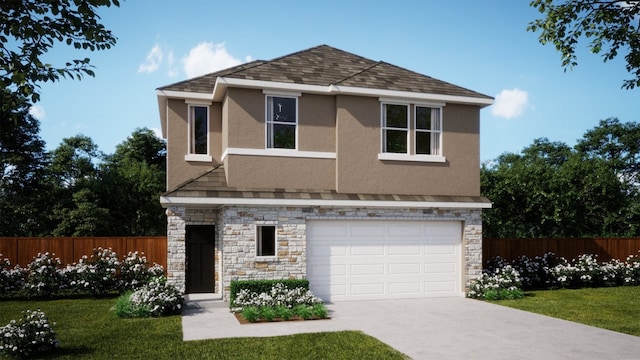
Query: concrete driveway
{"points": [[433, 328]]}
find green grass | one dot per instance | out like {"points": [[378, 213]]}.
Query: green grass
{"points": [[87, 328], [616, 308]]}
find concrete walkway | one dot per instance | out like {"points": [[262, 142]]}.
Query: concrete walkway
{"points": [[438, 328]]}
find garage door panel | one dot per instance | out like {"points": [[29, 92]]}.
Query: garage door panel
{"points": [[383, 259], [404, 288], [404, 269], [366, 231], [439, 286], [367, 269], [367, 289], [404, 230], [405, 249], [446, 268], [366, 250], [440, 249]]}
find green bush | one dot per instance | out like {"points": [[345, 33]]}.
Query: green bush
{"points": [[251, 313], [263, 286], [303, 311]]}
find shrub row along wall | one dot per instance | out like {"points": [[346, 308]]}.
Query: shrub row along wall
{"points": [[22, 250], [569, 248]]}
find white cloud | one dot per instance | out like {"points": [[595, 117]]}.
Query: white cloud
{"points": [[510, 103], [153, 60], [207, 57], [37, 112]]}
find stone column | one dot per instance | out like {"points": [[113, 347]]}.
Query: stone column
{"points": [[176, 247]]}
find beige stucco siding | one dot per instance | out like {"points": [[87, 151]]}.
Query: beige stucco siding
{"points": [[358, 143], [279, 172], [181, 170], [245, 117]]}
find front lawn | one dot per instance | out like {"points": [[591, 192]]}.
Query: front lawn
{"points": [[615, 308], [88, 328]]}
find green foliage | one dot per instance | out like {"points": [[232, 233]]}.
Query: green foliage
{"points": [[29, 29], [24, 188], [303, 311], [320, 311], [251, 313], [611, 26], [283, 312], [263, 286], [552, 190]]}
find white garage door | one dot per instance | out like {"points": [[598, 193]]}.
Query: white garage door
{"points": [[353, 260]]}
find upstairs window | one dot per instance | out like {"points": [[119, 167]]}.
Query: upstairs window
{"points": [[266, 240], [198, 141], [411, 132], [395, 128], [428, 130], [282, 122]]}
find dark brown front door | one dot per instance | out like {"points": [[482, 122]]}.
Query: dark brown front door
{"points": [[200, 256]]}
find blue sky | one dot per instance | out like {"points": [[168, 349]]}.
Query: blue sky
{"points": [[480, 45]]}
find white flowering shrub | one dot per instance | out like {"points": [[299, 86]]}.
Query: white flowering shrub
{"points": [[586, 271], [498, 284], [279, 295], [95, 275], [11, 280], [551, 271], [279, 302], [29, 336], [135, 271], [43, 275], [156, 298], [631, 275]]}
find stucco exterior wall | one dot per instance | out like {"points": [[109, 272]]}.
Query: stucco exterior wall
{"points": [[359, 170], [180, 170]]}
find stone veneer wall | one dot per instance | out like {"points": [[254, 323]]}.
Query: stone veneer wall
{"points": [[236, 232]]}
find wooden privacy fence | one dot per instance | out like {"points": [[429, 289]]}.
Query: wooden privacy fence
{"points": [[569, 248], [70, 250]]}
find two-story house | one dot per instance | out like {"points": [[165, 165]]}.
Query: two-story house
{"points": [[361, 176]]}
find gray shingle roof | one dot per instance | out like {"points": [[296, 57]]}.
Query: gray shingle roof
{"points": [[213, 184], [324, 65]]}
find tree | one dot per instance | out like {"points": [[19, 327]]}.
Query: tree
{"points": [[611, 25], [132, 180], [28, 29], [24, 186], [552, 190]]}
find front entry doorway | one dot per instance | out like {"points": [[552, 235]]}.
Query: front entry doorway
{"points": [[200, 258]]}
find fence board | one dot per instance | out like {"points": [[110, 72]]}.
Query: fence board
{"points": [[70, 250], [569, 248]]}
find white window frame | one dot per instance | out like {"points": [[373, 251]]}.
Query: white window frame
{"points": [[435, 135], [270, 122], [259, 242], [384, 127], [411, 144], [190, 156]]}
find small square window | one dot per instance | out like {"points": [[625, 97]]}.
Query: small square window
{"points": [[266, 240], [395, 128]]}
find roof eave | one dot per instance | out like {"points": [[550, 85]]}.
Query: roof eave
{"points": [[168, 201]]}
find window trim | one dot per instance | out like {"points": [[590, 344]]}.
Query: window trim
{"points": [[384, 128], [258, 242], [438, 153], [410, 155], [268, 96], [190, 119]]}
